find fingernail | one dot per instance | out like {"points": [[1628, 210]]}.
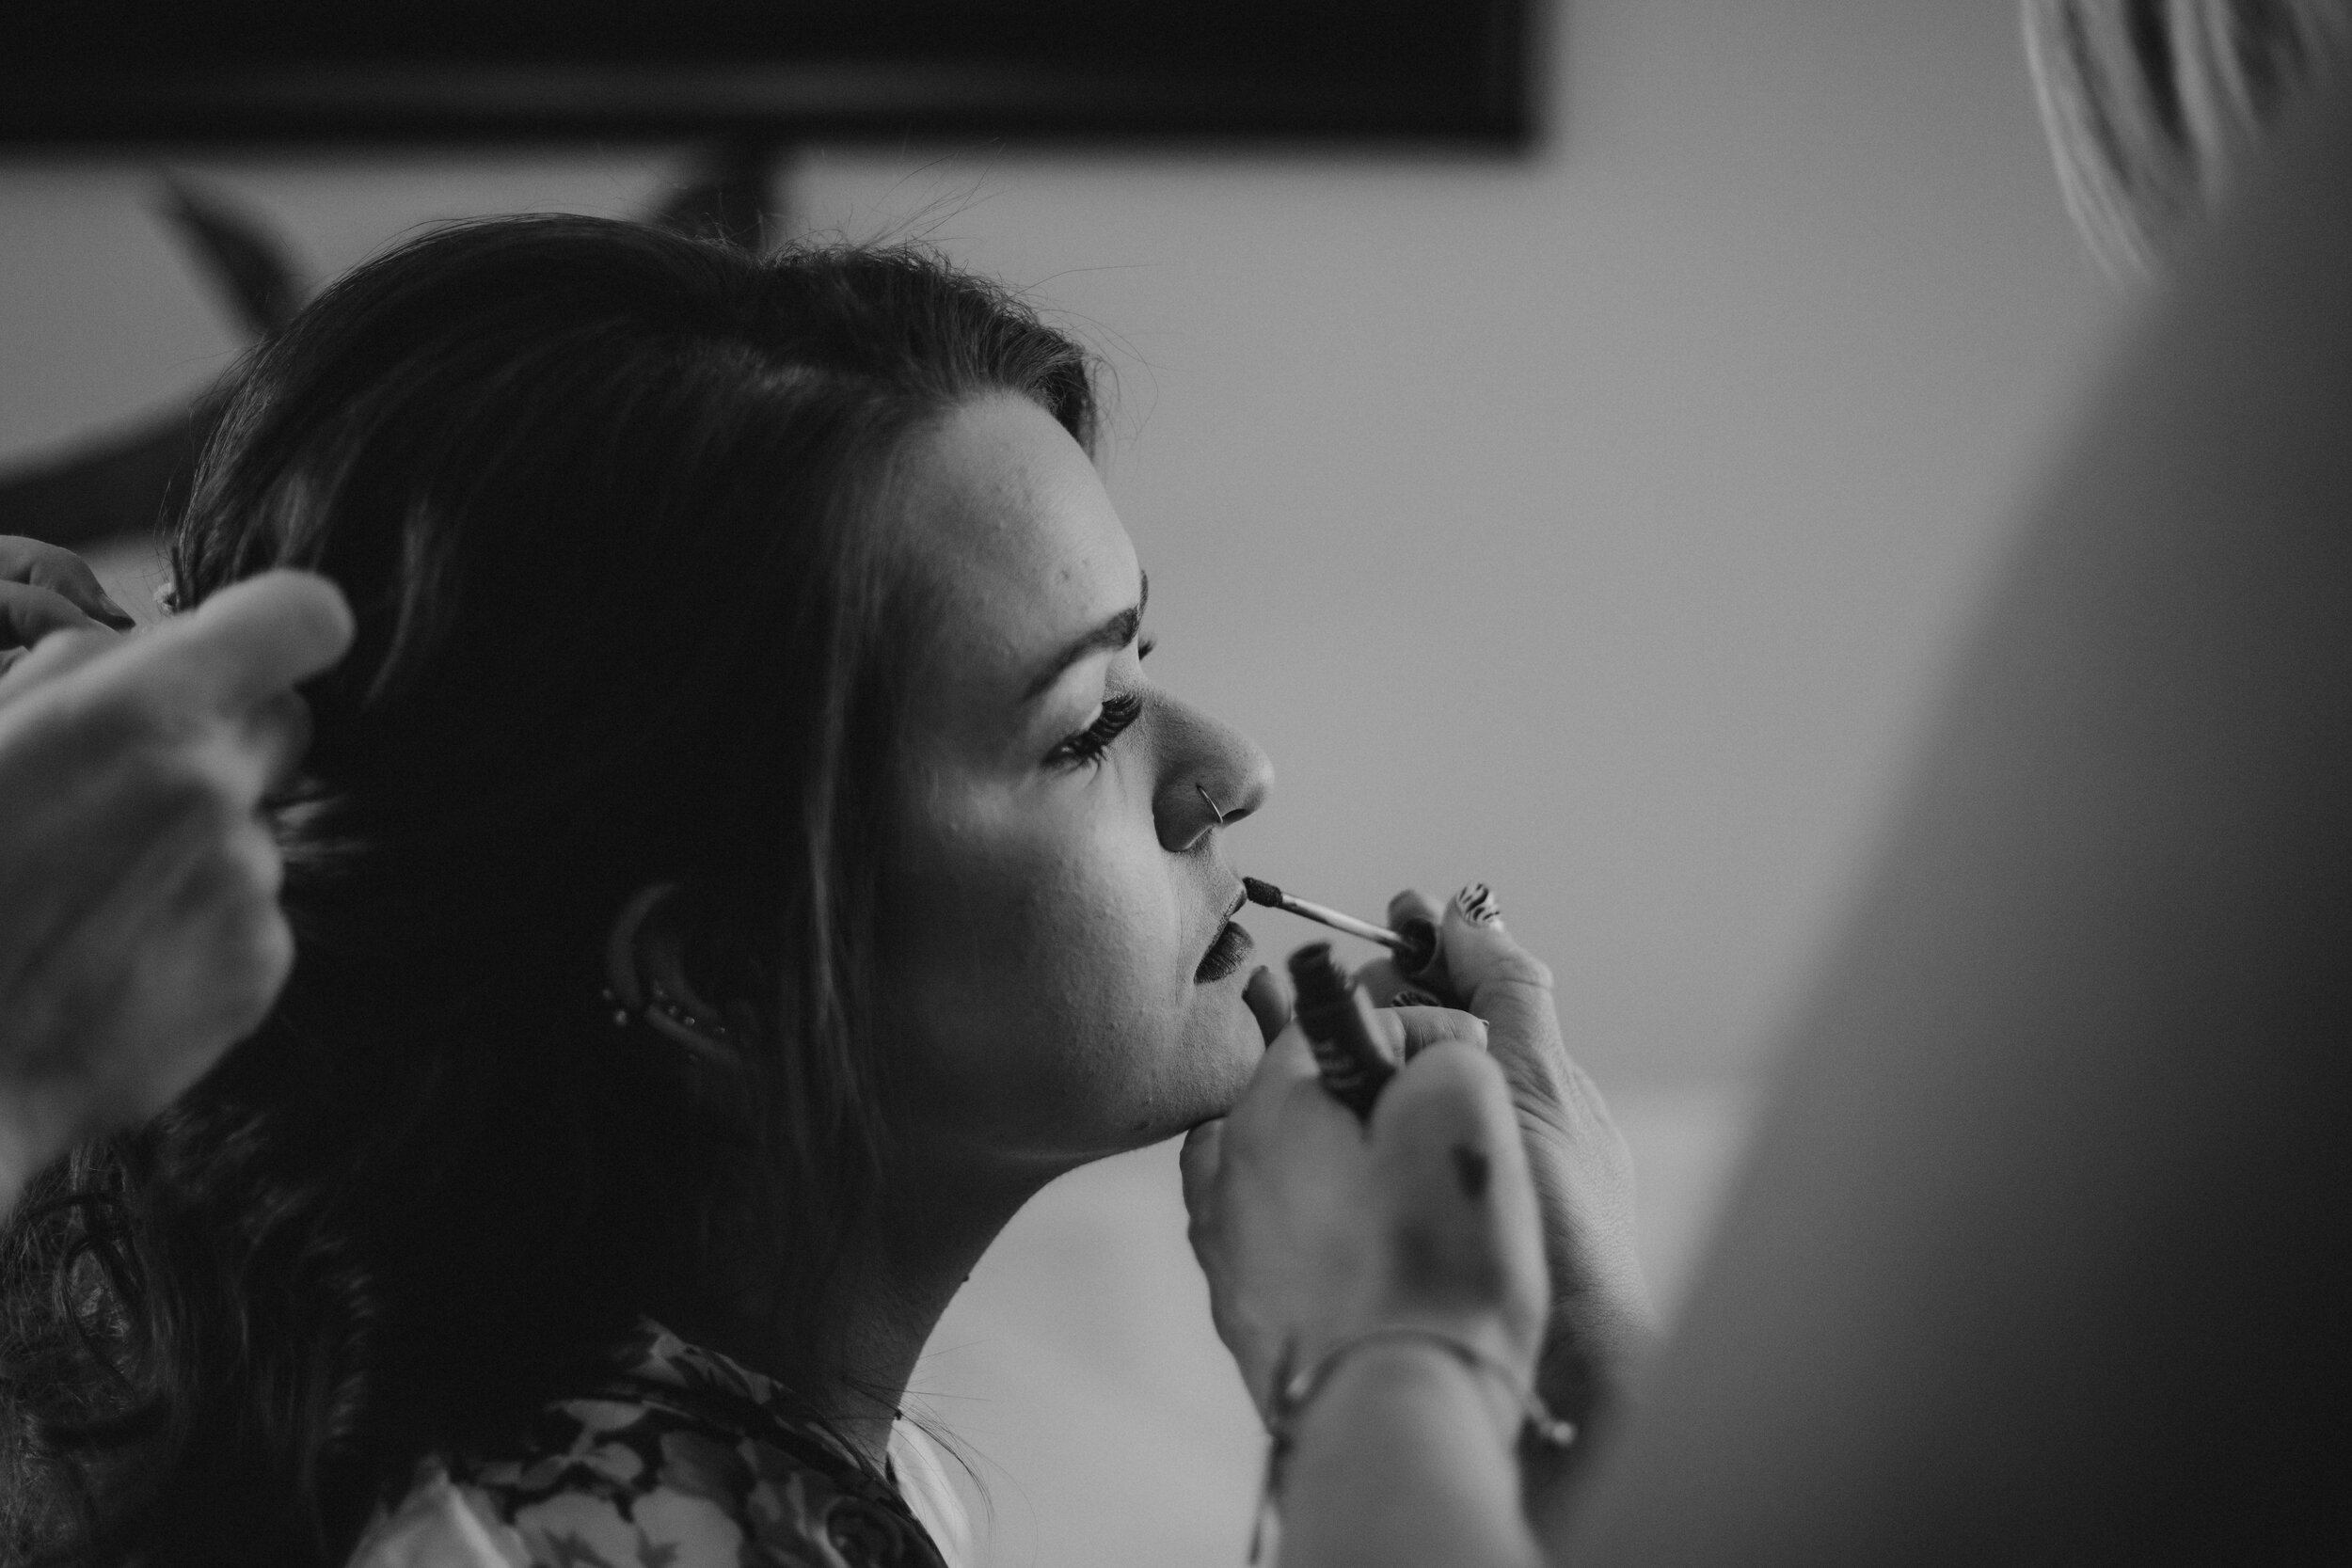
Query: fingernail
{"points": [[1477, 904], [1409, 997], [1422, 936]]}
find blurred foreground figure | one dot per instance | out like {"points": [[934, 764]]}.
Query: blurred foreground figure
{"points": [[139, 928], [2152, 106], [2044, 1253]]}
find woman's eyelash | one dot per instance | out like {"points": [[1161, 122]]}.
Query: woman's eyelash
{"points": [[1119, 712]]}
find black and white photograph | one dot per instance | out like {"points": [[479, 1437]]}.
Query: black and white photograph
{"points": [[1259, 784]]}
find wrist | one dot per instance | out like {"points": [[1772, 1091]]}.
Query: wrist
{"points": [[1459, 1351], [1511, 1347], [1409, 1451], [1592, 1351], [1392, 1373]]}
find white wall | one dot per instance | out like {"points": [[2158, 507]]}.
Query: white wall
{"points": [[1593, 525]]}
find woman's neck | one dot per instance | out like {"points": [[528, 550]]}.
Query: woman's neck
{"points": [[888, 1294]]}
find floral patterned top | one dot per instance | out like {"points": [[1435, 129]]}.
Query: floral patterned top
{"points": [[685, 1459]]}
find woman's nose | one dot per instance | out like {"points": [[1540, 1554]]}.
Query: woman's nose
{"points": [[1215, 776]]}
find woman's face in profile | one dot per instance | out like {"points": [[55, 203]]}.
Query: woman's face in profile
{"points": [[1057, 937]]}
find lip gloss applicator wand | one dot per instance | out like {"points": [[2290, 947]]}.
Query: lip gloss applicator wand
{"points": [[1414, 947]]}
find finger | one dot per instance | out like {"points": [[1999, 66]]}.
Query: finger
{"points": [[1449, 1129], [248, 642], [1446, 1145], [1452, 1093], [29, 613], [1197, 1164], [1505, 985], [1311, 1123], [1269, 1000], [1409, 906], [1379, 979], [22, 669], [1388, 987], [1287, 1061], [1409, 912], [62, 573], [1426, 1026], [231, 898], [278, 731]]}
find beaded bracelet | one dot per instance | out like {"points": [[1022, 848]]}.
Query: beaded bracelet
{"points": [[1537, 1424]]}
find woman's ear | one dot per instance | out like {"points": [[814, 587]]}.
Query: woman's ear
{"points": [[647, 977]]}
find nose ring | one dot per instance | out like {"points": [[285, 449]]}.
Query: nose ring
{"points": [[1215, 809]]}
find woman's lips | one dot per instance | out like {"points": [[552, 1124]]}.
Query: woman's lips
{"points": [[1228, 953]]}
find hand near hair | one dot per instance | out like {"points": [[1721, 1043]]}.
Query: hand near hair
{"points": [[140, 934], [45, 589]]}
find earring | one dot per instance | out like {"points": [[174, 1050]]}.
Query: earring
{"points": [[1215, 809], [667, 1007]]}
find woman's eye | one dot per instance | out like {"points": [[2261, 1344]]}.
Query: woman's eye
{"points": [[1119, 712]]}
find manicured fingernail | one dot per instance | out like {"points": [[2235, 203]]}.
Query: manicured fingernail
{"points": [[1477, 904], [1409, 997]]}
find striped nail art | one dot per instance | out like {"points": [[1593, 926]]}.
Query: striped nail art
{"points": [[1409, 997], [1477, 904]]}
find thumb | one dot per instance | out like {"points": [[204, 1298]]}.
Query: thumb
{"points": [[1197, 1164], [246, 642], [1508, 985], [1269, 1002]]}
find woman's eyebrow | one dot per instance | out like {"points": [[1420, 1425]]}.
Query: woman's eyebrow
{"points": [[1112, 635]]}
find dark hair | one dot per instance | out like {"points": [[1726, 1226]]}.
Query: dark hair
{"points": [[606, 503]]}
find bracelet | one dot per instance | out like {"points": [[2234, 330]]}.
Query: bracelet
{"points": [[1291, 1394]]}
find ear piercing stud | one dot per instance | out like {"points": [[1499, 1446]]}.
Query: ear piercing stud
{"points": [[668, 1008]]}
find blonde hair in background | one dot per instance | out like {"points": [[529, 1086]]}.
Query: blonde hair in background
{"points": [[2148, 102]]}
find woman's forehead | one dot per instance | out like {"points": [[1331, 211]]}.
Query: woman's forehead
{"points": [[1009, 520]]}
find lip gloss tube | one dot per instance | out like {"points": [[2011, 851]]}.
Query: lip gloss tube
{"points": [[1337, 1018]]}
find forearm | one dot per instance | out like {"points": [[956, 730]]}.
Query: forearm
{"points": [[1406, 1458]]}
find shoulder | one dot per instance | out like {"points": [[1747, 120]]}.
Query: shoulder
{"points": [[653, 1474]]}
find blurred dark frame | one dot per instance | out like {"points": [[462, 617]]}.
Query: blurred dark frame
{"points": [[1399, 72]]}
